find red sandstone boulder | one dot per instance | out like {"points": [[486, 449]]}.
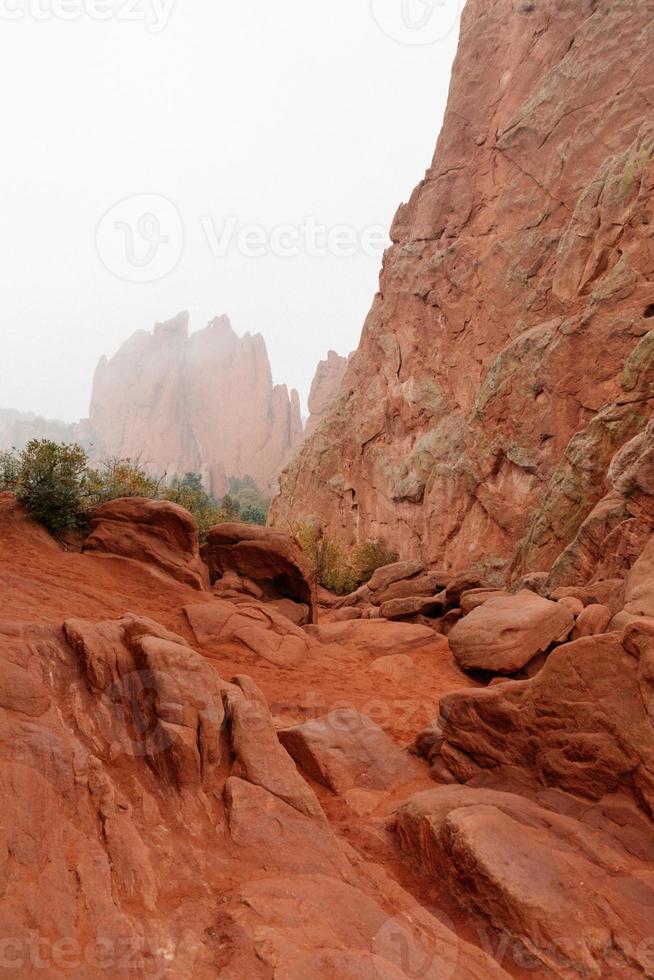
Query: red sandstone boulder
{"points": [[156, 532], [375, 637], [477, 597], [593, 619], [415, 606], [596, 695], [256, 625], [268, 557], [504, 634], [398, 572], [565, 890], [345, 750]]}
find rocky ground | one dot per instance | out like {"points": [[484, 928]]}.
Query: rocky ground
{"points": [[210, 767]]}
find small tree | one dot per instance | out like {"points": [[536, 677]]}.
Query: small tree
{"points": [[230, 507], [9, 470], [53, 483], [120, 478], [253, 515]]}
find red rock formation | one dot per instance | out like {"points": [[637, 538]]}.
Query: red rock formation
{"points": [[151, 796], [156, 532], [270, 558], [324, 388], [203, 403], [507, 356]]}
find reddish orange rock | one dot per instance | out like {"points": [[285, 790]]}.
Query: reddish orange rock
{"points": [[505, 633], [507, 354], [156, 532], [270, 558]]}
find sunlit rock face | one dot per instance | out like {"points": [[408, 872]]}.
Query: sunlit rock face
{"points": [[508, 356], [201, 403]]}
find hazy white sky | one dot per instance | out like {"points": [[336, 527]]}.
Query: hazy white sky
{"points": [[227, 126]]}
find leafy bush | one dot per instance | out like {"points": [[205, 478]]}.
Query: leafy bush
{"points": [[329, 556], [251, 514], [245, 492], [341, 570], [121, 478], [9, 471], [52, 480], [188, 492], [367, 557], [230, 507]]}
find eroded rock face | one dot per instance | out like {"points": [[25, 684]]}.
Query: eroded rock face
{"points": [[507, 356], [203, 403], [270, 558], [345, 750], [324, 388], [596, 694], [156, 532], [561, 887], [257, 626], [505, 633]]}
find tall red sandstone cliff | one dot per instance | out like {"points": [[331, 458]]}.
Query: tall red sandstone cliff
{"points": [[508, 354], [202, 403]]}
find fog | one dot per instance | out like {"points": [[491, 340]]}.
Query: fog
{"points": [[242, 158]]}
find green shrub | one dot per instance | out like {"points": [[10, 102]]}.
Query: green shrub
{"points": [[9, 471], [53, 483], [188, 492], [231, 507], [251, 514], [251, 502], [121, 478], [60, 489], [341, 570], [367, 557]]}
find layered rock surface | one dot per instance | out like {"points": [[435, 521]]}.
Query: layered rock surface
{"points": [[507, 355], [144, 785]]}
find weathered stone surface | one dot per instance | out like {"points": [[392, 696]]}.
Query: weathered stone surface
{"points": [[157, 532], [324, 388], [255, 625], [474, 598], [412, 606], [593, 619], [506, 357], [346, 750], [565, 890], [596, 696], [398, 572], [375, 638], [639, 586], [268, 557], [504, 634]]}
